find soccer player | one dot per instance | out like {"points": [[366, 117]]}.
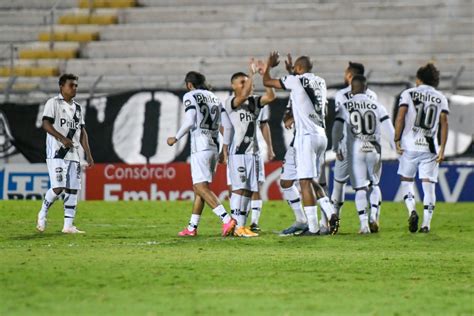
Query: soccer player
{"points": [[63, 122], [287, 182], [308, 98], [203, 112], [256, 202], [365, 119], [243, 162], [341, 166], [421, 110]]}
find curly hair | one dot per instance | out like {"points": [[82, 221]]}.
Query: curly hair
{"points": [[428, 74]]}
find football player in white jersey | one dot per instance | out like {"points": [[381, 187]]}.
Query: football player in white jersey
{"points": [[365, 119], [341, 166], [203, 120], [421, 110], [63, 121], [287, 182], [308, 98], [243, 109]]}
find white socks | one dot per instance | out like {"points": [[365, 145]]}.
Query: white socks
{"points": [[235, 206], [338, 196], [194, 222], [429, 201], [256, 206], [49, 199], [221, 212], [70, 204], [408, 192], [361, 205], [375, 197], [312, 216], [292, 196], [244, 210], [326, 206]]}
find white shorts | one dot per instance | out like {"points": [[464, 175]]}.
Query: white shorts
{"points": [[64, 174], [203, 166], [309, 150], [366, 168], [423, 162], [288, 170], [243, 172]]}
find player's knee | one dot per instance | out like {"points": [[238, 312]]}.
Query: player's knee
{"points": [[58, 191], [70, 191], [285, 184]]}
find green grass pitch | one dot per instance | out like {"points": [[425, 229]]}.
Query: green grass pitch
{"points": [[131, 262]]}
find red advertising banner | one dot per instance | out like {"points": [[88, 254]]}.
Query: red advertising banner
{"points": [[114, 182]]}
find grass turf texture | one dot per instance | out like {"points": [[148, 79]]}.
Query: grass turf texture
{"points": [[131, 262]]}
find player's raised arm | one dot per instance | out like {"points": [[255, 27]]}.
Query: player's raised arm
{"points": [[247, 89], [268, 81]]}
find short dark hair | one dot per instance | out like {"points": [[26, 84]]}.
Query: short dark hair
{"points": [[66, 77], [428, 74], [305, 62], [197, 79], [356, 68], [359, 82], [237, 75]]}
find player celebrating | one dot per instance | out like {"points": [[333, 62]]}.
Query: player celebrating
{"points": [[421, 110], [203, 120], [364, 118], [308, 98], [244, 109], [341, 166], [287, 182], [64, 123]]}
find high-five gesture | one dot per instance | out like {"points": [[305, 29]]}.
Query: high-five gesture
{"points": [[289, 64], [273, 59]]}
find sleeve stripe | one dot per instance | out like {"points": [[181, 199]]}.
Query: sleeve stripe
{"points": [[191, 107], [403, 105], [263, 121], [339, 119], [222, 110], [386, 117], [445, 111], [47, 118], [282, 84]]}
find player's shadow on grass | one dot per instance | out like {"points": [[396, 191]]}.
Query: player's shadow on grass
{"points": [[34, 236]]}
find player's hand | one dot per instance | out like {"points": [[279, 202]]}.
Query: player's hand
{"points": [[273, 59], [271, 154], [90, 161], [440, 156], [67, 142], [261, 66], [289, 122], [171, 141], [289, 64], [223, 156], [252, 67], [398, 147]]}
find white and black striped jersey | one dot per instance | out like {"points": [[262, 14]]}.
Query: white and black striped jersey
{"points": [[68, 120], [308, 98], [425, 105], [340, 98], [363, 117], [244, 120], [207, 119]]}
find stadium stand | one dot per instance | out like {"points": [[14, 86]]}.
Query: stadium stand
{"points": [[126, 44]]}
